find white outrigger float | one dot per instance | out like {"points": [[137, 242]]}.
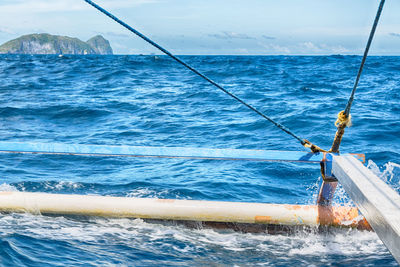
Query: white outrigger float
{"points": [[379, 204]]}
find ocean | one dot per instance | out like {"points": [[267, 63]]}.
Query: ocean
{"points": [[153, 101]]}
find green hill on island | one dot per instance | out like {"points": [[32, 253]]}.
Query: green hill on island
{"points": [[54, 44]]}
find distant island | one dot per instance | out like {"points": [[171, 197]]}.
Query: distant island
{"points": [[55, 44]]}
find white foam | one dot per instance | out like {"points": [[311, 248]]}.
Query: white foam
{"points": [[150, 193], [390, 173], [7, 188], [135, 233], [62, 185]]}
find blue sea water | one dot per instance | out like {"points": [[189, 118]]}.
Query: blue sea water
{"points": [[150, 100]]}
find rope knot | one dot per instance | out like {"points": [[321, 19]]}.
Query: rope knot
{"points": [[343, 120], [314, 148]]}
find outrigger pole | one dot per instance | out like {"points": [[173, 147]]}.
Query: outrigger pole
{"points": [[162, 152], [253, 217]]}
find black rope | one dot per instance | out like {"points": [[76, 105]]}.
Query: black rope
{"points": [[371, 36], [280, 126]]}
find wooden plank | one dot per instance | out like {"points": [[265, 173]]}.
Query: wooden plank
{"points": [[160, 152], [377, 201]]}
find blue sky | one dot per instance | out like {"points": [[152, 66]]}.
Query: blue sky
{"points": [[252, 27]]}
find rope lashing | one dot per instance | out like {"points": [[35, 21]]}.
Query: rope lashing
{"points": [[314, 148], [344, 117], [341, 123], [304, 142]]}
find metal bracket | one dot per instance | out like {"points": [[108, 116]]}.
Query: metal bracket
{"points": [[329, 181], [326, 168]]}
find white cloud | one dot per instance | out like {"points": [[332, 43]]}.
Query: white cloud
{"points": [[311, 48], [280, 49], [304, 48], [275, 49], [115, 34], [394, 34], [231, 35], [242, 51], [268, 37], [6, 30], [336, 49]]}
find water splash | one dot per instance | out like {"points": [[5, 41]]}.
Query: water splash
{"points": [[90, 235], [389, 173], [7, 188]]}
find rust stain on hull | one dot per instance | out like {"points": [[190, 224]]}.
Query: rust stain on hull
{"points": [[342, 216]]}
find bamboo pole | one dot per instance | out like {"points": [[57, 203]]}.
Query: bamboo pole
{"points": [[186, 210], [159, 152]]}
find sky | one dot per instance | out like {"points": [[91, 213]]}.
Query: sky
{"points": [[229, 27]]}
